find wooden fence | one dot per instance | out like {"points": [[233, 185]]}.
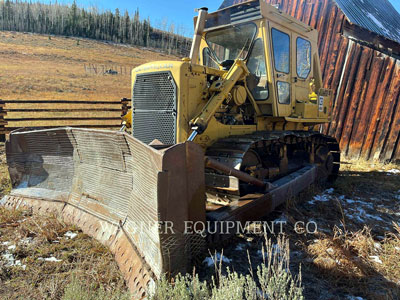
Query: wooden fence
{"points": [[104, 69], [56, 113]]}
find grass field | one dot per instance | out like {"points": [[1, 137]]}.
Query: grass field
{"points": [[354, 254], [46, 67]]}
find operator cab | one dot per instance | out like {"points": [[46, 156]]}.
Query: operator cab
{"points": [[281, 54]]}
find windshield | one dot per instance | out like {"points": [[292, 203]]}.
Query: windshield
{"points": [[232, 42]]}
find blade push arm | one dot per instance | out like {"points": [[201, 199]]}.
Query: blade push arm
{"points": [[220, 90]]}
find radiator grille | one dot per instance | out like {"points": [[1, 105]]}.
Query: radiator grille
{"points": [[150, 125], [154, 107]]}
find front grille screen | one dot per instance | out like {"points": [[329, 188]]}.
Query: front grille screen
{"points": [[154, 108]]}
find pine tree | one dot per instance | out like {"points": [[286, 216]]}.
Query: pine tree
{"points": [[72, 20]]}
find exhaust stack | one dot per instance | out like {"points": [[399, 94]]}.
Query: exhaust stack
{"points": [[201, 21]]}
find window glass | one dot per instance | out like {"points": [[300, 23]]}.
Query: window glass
{"points": [[232, 42], [303, 57], [283, 92], [207, 60], [257, 82], [281, 46]]}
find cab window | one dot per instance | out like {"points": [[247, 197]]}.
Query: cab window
{"points": [[303, 57], [281, 46], [207, 60], [232, 42], [257, 82], [283, 92]]}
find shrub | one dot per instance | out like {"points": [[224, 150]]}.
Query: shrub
{"points": [[273, 280]]}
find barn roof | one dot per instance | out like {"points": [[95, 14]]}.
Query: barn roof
{"points": [[378, 16]]}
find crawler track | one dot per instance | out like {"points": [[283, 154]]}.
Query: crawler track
{"points": [[269, 156]]}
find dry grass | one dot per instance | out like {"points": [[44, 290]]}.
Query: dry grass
{"points": [[35, 66], [357, 248], [5, 184], [31, 240]]}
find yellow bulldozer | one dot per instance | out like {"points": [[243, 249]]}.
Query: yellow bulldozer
{"points": [[217, 139]]}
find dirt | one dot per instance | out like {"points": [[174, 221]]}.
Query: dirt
{"points": [[355, 249]]}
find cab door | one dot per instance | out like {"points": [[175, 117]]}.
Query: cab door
{"points": [[282, 69], [301, 61]]}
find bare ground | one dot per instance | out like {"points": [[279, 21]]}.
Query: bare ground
{"points": [[354, 253]]}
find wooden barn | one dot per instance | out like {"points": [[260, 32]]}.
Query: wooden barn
{"points": [[359, 46]]}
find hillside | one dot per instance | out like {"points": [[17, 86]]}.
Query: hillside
{"points": [[34, 66]]}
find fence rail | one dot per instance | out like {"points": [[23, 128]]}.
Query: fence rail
{"points": [[104, 69], [55, 113]]}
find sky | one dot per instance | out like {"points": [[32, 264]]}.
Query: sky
{"points": [[396, 4], [163, 13]]}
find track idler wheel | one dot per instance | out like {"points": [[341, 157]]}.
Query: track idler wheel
{"points": [[325, 162]]}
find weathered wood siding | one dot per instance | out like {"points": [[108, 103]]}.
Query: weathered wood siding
{"points": [[365, 84]]}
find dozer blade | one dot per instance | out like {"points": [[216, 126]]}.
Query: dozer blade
{"points": [[130, 196]]}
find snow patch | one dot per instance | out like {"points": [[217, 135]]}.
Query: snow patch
{"points": [[393, 171], [376, 259], [11, 261], [357, 214], [377, 218], [50, 259], [209, 261], [377, 246], [350, 297], [275, 249], [26, 241], [324, 197], [240, 247], [70, 235]]}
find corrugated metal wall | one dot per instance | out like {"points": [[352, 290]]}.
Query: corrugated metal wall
{"points": [[366, 84]]}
